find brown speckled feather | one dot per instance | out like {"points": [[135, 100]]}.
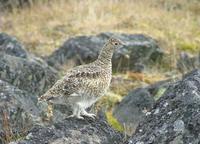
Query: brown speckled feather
{"points": [[73, 81]]}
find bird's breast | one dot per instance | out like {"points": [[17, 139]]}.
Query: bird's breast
{"points": [[97, 87]]}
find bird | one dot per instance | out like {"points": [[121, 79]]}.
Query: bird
{"points": [[83, 85]]}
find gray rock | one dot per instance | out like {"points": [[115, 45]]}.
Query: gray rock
{"points": [[11, 46], [187, 62], [22, 70], [133, 108], [178, 118], [28, 74], [140, 50], [130, 111], [22, 78], [18, 111], [74, 131], [11, 4]]}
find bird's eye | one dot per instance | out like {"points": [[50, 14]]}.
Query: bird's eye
{"points": [[116, 43]]}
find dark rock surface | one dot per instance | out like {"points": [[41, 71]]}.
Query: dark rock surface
{"points": [[187, 62], [11, 46], [175, 118], [18, 111], [140, 50], [133, 107], [22, 70], [74, 131], [28, 74], [11, 4], [22, 78]]}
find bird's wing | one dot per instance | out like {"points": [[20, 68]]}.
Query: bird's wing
{"points": [[72, 81]]}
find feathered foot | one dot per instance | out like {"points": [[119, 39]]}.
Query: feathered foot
{"points": [[90, 115]]}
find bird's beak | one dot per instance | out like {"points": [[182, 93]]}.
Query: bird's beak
{"points": [[123, 44], [123, 51]]}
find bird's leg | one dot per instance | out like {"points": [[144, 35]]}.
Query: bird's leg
{"points": [[76, 112], [85, 113]]}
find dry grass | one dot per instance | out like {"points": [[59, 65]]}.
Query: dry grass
{"points": [[6, 128], [44, 27]]}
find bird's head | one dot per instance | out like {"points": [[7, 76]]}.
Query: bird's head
{"points": [[114, 43]]}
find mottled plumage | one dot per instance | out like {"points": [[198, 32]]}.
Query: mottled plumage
{"points": [[83, 85]]}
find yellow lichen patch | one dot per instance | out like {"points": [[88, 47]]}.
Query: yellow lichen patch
{"points": [[113, 121]]}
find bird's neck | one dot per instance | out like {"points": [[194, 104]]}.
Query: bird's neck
{"points": [[105, 56]]}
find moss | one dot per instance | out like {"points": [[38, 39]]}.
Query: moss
{"points": [[114, 122], [159, 93], [109, 101], [188, 46]]}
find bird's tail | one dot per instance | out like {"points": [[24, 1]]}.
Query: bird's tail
{"points": [[45, 97]]}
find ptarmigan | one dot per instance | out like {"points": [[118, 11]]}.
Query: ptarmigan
{"points": [[83, 85]]}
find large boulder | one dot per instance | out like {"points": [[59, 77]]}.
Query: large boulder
{"points": [[22, 78], [132, 109], [23, 70], [74, 131], [140, 50], [175, 117], [18, 111]]}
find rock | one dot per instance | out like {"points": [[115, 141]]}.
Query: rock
{"points": [[18, 111], [22, 78], [132, 109], [175, 116], [140, 50], [187, 62], [11, 4], [9, 45], [74, 131], [22, 70], [27, 74]]}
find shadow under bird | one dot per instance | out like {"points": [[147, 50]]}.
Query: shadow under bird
{"points": [[83, 85]]}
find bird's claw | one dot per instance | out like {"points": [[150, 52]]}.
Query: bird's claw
{"points": [[90, 115], [72, 116]]}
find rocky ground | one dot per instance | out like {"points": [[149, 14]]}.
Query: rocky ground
{"points": [[73, 131], [175, 117], [164, 112]]}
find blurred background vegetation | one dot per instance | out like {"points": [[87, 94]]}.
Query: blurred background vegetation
{"points": [[44, 25]]}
